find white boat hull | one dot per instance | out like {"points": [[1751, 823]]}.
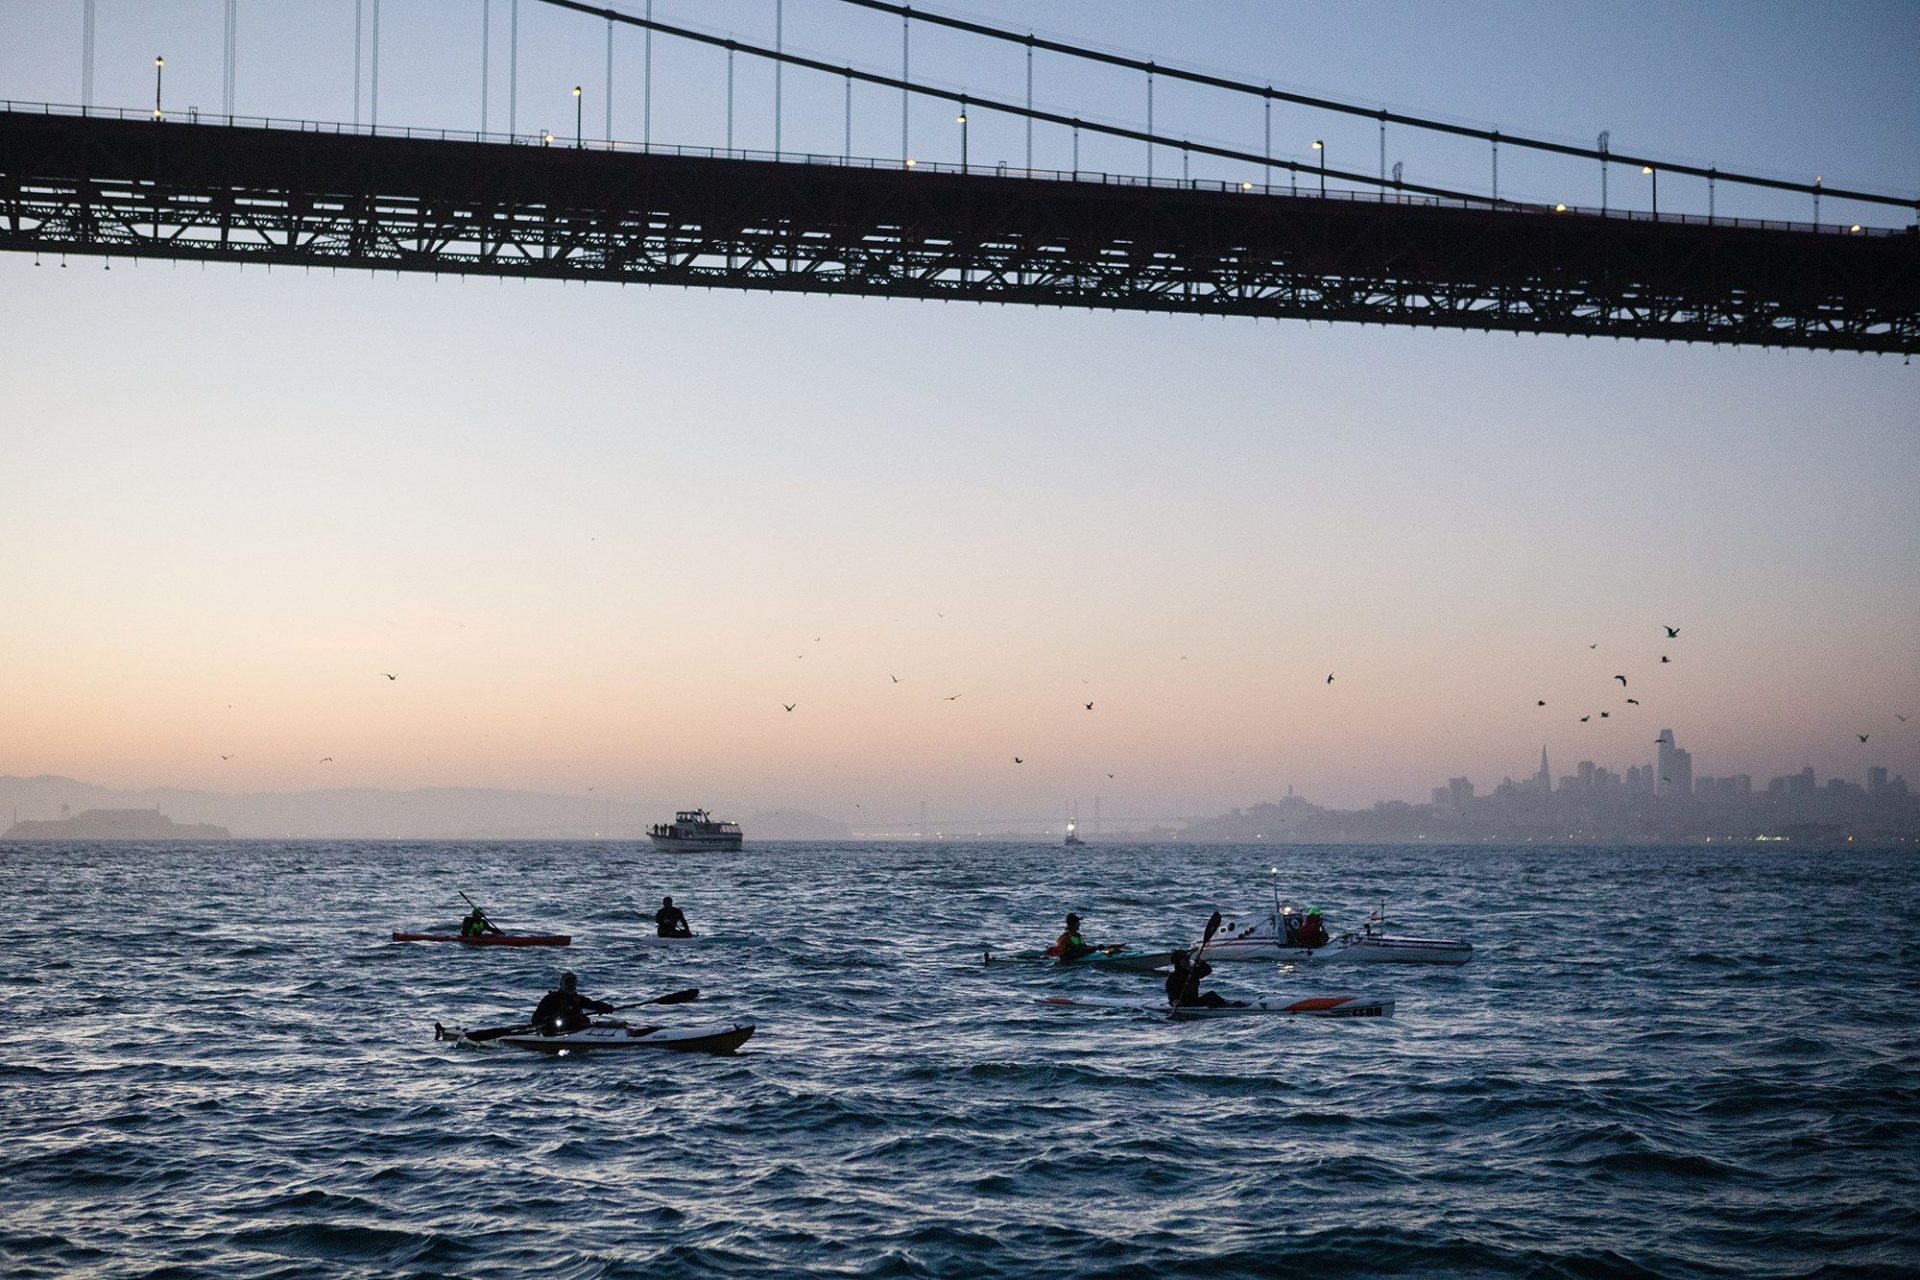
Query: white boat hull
{"points": [[688, 844], [1352, 949]]}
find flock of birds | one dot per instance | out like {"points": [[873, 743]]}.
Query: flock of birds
{"points": [[1673, 633]]}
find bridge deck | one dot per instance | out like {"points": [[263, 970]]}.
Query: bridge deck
{"points": [[218, 192]]}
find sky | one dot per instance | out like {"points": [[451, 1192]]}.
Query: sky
{"points": [[601, 536]]}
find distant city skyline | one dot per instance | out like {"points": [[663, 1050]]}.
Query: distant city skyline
{"points": [[274, 531]]}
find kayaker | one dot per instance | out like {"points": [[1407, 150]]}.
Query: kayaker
{"points": [[1183, 985], [1313, 930], [476, 924], [671, 921], [1070, 946], [566, 1010]]}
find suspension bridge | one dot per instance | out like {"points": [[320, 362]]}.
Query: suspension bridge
{"points": [[1294, 238]]}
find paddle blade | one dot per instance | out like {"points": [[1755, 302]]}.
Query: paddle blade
{"points": [[675, 997], [1213, 927]]}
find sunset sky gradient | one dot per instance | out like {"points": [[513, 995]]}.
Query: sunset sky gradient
{"points": [[596, 531]]}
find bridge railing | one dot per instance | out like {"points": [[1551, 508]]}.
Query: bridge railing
{"points": [[997, 169]]}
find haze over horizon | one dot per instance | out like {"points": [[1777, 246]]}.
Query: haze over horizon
{"points": [[601, 537]]}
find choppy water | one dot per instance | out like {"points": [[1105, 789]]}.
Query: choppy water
{"points": [[1687, 1062]]}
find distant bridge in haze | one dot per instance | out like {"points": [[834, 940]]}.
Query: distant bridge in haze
{"points": [[1281, 243]]}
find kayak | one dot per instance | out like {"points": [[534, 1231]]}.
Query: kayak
{"points": [[1311, 1006], [1121, 958], [713, 1037], [728, 939], [492, 939]]}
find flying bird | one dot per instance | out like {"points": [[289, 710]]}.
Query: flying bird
{"points": [[787, 705], [1665, 658], [1109, 775], [1593, 646], [893, 677], [1605, 714], [1897, 716], [1861, 736], [1622, 680], [1672, 632], [326, 759], [1089, 706], [1018, 760], [389, 675], [954, 698], [1633, 702], [1541, 703], [228, 756], [1329, 677], [1584, 719]]}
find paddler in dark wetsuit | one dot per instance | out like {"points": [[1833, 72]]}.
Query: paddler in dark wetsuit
{"points": [[1183, 985], [566, 1010], [670, 921], [1070, 946]]}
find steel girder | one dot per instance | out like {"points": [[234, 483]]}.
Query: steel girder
{"points": [[320, 199]]}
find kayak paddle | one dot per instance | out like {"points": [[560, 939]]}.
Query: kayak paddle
{"points": [[672, 997], [494, 1033]]}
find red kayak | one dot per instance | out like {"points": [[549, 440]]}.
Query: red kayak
{"points": [[492, 939]]}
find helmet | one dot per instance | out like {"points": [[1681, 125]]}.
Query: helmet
{"points": [[568, 981]]}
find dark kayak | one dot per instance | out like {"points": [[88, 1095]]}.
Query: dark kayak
{"points": [[492, 939]]}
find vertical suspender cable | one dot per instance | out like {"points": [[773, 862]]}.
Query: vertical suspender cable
{"points": [[729, 95], [1266, 148], [779, 27], [373, 102], [1149, 120], [1029, 101], [513, 67], [646, 89], [486, 32], [906, 33], [357, 4], [86, 53], [607, 135], [846, 148], [227, 64]]}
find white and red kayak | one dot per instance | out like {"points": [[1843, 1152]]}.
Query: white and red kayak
{"points": [[1309, 1007], [491, 939], [604, 1037]]}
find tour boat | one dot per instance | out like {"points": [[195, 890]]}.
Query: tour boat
{"points": [[695, 829]]}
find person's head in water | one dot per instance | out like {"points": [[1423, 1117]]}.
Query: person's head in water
{"points": [[568, 982]]}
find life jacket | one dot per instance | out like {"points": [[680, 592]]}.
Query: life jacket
{"points": [[1313, 932]]}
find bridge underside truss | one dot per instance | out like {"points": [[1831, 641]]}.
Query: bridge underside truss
{"points": [[218, 193]]}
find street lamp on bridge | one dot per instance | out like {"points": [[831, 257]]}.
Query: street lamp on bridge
{"points": [[159, 69], [1321, 147], [1653, 173], [576, 118], [961, 120]]}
